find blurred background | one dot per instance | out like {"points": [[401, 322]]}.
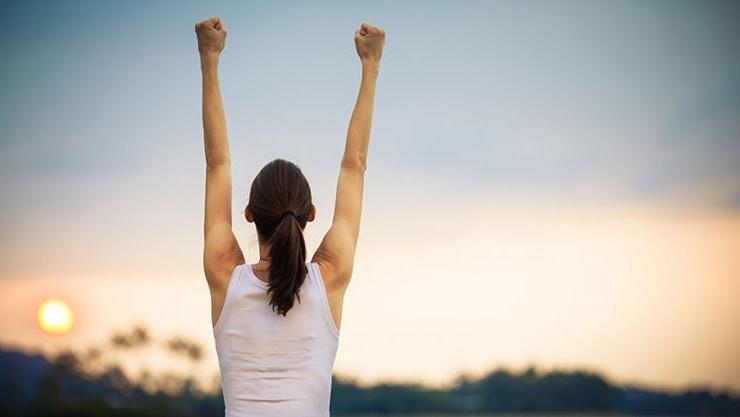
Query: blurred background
{"points": [[552, 200]]}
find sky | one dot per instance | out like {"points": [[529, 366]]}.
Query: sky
{"points": [[555, 183]]}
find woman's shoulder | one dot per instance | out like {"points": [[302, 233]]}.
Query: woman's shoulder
{"points": [[333, 276], [219, 277]]}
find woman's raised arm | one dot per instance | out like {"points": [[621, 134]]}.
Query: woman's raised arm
{"points": [[221, 252], [336, 251]]}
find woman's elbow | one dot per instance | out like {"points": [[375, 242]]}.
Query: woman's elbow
{"points": [[355, 161]]}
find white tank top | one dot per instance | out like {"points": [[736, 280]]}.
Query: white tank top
{"points": [[273, 365]]}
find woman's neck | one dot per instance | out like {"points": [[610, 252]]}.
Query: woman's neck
{"points": [[264, 262]]}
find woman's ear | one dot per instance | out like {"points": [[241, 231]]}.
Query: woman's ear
{"points": [[248, 215], [312, 214]]}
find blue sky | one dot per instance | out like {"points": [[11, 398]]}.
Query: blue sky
{"points": [[489, 111], [641, 97]]}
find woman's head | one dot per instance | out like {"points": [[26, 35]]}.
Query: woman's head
{"points": [[280, 206]]}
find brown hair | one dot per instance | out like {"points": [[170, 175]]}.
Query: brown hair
{"points": [[280, 201]]}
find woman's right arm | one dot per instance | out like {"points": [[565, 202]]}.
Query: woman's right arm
{"points": [[335, 254]]}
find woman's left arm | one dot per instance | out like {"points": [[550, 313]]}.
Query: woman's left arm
{"points": [[221, 252]]}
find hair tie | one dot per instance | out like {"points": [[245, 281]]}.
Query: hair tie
{"points": [[285, 213]]}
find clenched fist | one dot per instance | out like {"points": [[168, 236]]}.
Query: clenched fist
{"points": [[211, 35], [369, 41]]}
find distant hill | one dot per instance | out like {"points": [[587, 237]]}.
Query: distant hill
{"points": [[32, 385], [32, 382], [502, 391]]}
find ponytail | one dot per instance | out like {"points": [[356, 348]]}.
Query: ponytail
{"points": [[280, 205], [287, 263]]}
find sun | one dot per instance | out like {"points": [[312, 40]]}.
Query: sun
{"points": [[55, 317]]}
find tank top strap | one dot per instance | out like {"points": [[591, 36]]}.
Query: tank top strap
{"points": [[253, 279], [317, 282], [231, 288]]}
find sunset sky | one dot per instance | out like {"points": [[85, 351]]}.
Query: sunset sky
{"points": [[549, 183]]}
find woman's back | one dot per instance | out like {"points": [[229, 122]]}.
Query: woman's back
{"points": [[274, 365]]}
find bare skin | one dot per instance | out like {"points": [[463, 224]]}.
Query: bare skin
{"points": [[335, 254]]}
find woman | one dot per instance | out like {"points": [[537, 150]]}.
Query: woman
{"points": [[276, 323]]}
